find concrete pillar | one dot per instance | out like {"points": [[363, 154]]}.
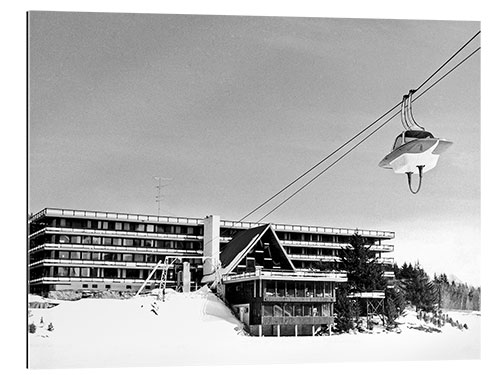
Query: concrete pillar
{"points": [[296, 331], [186, 278], [260, 330], [278, 331], [211, 243]]}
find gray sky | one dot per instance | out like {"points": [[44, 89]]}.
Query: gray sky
{"points": [[234, 108]]}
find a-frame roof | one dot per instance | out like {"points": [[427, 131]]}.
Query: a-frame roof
{"points": [[240, 242], [243, 243]]}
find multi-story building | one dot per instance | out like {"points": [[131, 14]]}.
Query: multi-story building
{"points": [[268, 272]]}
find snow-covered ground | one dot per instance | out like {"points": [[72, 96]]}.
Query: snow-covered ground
{"points": [[197, 329]]}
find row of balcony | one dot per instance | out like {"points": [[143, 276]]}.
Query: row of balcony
{"points": [[100, 263], [333, 245], [119, 249], [57, 212], [89, 280], [114, 233], [332, 258], [337, 276]]}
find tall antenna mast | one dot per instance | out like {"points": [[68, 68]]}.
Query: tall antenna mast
{"points": [[159, 197]]}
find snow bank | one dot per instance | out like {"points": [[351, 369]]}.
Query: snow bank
{"points": [[198, 329]]}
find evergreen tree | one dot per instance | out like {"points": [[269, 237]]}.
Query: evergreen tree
{"points": [[418, 288], [364, 273], [345, 309]]}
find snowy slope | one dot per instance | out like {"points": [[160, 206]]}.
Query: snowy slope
{"points": [[197, 328]]}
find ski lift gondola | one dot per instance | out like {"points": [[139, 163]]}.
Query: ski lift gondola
{"points": [[415, 150]]}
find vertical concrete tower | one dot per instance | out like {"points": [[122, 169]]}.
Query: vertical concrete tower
{"points": [[211, 244], [186, 278]]}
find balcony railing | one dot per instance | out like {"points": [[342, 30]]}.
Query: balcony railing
{"points": [[333, 245], [94, 263], [118, 249], [114, 233], [89, 280], [338, 276], [58, 212], [332, 258], [116, 216]]}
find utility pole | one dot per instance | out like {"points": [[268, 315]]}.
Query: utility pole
{"points": [[159, 197]]}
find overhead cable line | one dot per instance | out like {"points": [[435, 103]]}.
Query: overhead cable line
{"points": [[366, 137], [350, 150], [356, 135]]}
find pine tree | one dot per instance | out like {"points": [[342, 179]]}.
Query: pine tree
{"points": [[345, 309], [364, 273], [419, 290]]}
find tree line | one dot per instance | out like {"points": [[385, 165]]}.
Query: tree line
{"points": [[411, 286]]}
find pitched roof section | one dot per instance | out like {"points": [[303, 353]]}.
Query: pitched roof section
{"points": [[244, 242], [240, 242]]}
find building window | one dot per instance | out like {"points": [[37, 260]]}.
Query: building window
{"points": [[117, 241], [63, 254], [85, 285], [298, 310], [63, 239], [328, 289], [319, 289], [138, 257], [96, 240], [150, 228], [280, 288], [102, 225], [96, 256], [128, 257], [94, 272], [300, 289], [87, 240], [148, 243], [290, 289], [190, 230], [62, 271], [118, 226], [150, 258], [128, 242], [107, 241], [74, 272], [85, 272], [94, 285], [108, 286], [267, 310], [325, 309], [309, 288], [86, 255], [116, 257], [178, 229], [128, 287], [132, 274], [288, 310], [75, 255], [270, 288], [110, 272], [140, 227]]}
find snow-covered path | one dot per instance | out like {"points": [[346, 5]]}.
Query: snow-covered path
{"points": [[197, 329]]}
